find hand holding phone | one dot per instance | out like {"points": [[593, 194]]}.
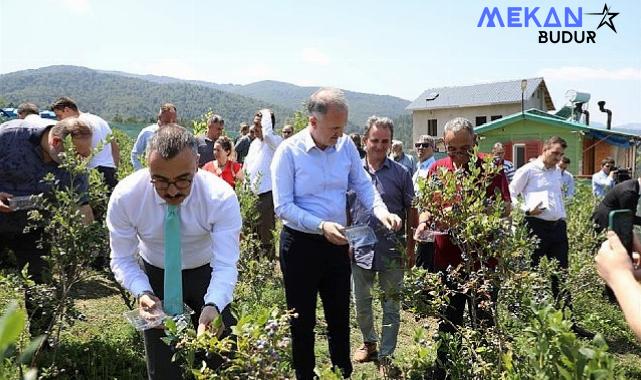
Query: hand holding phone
{"points": [[622, 223]]}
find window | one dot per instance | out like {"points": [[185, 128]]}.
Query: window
{"points": [[431, 127], [480, 120], [495, 117], [518, 153]]}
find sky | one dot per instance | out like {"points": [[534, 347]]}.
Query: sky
{"points": [[398, 48]]}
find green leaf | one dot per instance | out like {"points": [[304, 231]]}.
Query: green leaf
{"points": [[11, 325], [31, 348]]}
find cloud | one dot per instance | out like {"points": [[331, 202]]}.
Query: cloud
{"points": [[315, 56], [579, 73], [78, 6]]}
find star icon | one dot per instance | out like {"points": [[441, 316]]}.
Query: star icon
{"points": [[607, 18]]}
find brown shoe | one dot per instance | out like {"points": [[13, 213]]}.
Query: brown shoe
{"points": [[366, 353]]}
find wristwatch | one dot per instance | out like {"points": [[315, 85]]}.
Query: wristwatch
{"points": [[212, 305], [148, 292]]}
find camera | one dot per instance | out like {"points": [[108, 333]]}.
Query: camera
{"points": [[620, 174]]}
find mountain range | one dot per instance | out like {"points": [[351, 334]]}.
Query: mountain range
{"points": [[126, 96]]}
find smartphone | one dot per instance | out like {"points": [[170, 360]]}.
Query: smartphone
{"points": [[622, 222]]}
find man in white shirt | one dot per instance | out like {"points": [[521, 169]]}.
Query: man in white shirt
{"points": [[567, 179], [603, 180], [107, 159], [167, 115], [257, 162], [210, 222], [539, 182], [425, 152], [311, 174]]}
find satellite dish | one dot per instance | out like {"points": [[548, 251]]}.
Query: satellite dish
{"points": [[577, 97]]}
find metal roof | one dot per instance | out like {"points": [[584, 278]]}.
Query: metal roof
{"points": [[479, 95], [549, 119]]}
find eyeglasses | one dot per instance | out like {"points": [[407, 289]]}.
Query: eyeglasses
{"points": [[163, 184], [422, 145], [460, 151], [287, 132]]}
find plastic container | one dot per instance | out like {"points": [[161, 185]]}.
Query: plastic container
{"points": [[360, 236], [148, 320]]}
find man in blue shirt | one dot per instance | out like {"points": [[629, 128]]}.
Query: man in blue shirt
{"points": [[603, 180], [167, 115], [311, 175], [404, 159], [394, 182], [29, 150]]}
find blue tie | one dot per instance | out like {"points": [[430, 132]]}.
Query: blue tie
{"points": [[173, 297]]}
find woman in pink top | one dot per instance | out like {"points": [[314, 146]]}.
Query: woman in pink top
{"points": [[223, 166]]}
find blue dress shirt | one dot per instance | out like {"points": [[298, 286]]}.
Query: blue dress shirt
{"points": [[309, 184]]}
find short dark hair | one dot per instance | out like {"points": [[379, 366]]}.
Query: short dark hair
{"points": [[225, 143], [607, 160], [380, 122], [170, 140], [260, 114], [25, 109], [555, 140], [64, 102], [215, 119]]}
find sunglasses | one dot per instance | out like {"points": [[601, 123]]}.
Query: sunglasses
{"points": [[422, 145]]}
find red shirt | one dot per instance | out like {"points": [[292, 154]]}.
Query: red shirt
{"points": [[447, 253], [228, 173]]}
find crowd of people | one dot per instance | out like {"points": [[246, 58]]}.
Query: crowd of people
{"points": [[174, 223]]}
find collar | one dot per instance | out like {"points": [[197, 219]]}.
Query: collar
{"points": [[309, 143], [426, 162], [539, 164], [386, 163]]}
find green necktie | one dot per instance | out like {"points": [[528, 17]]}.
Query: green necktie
{"points": [[173, 297]]}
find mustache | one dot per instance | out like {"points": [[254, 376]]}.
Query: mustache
{"points": [[174, 196]]}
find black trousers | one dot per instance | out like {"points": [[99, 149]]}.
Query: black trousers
{"points": [[26, 251], [425, 255], [109, 174], [312, 265], [266, 223], [553, 236], [195, 282]]}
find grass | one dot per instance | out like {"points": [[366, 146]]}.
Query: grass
{"points": [[104, 346]]}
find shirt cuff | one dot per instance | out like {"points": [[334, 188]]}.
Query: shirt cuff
{"points": [[140, 286]]}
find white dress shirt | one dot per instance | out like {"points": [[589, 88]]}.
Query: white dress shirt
{"points": [[210, 228], [310, 184], [538, 184], [259, 158], [100, 132], [601, 183]]}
